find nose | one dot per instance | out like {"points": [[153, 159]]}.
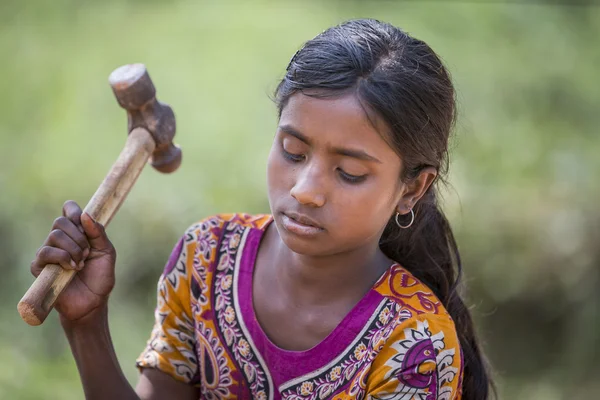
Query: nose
{"points": [[309, 189]]}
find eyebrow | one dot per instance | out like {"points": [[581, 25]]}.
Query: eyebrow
{"points": [[359, 154]]}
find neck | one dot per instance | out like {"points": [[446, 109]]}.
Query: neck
{"points": [[323, 279]]}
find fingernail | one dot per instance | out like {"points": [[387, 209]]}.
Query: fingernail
{"points": [[86, 253], [81, 264], [73, 264]]}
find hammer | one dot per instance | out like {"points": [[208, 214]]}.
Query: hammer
{"points": [[151, 127]]}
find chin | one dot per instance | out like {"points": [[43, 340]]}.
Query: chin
{"points": [[305, 249]]}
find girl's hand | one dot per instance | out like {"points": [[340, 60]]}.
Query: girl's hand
{"points": [[78, 242]]}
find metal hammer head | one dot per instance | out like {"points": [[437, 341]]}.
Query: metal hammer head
{"points": [[135, 92]]}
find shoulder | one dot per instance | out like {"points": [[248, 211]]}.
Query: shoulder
{"points": [[421, 351], [214, 225], [200, 239], [197, 247], [417, 308], [402, 287], [188, 272], [206, 232]]}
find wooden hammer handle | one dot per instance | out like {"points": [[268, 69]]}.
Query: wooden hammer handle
{"points": [[37, 303]]}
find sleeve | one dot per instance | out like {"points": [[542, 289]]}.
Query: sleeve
{"points": [[421, 359], [171, 347]]}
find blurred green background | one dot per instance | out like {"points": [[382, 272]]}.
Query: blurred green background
{"points": [[524, 173]]}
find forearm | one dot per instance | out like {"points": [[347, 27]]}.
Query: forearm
{"points": [[97, 362]]}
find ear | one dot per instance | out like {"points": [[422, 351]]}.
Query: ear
{"points": [[415, 189]]}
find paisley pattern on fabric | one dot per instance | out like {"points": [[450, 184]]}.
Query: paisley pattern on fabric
{"points": [[421, 366], [340, 375], [397, 343], [238, 342]]}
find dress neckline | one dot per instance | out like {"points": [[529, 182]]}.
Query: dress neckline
{"points": [[303, 361]]}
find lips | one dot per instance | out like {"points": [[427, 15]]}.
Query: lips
{"points": [[302, 227], [303, 219]]}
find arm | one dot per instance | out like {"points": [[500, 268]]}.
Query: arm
{"points": [[101, 374], [78, 242]]}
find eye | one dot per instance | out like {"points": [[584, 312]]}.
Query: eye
{"points": [[291, 156], [351, 178]]}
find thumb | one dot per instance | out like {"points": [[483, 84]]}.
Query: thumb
{"points": [[95, 233]]}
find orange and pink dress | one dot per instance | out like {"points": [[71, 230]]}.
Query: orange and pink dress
{"points": [[398, 342]]}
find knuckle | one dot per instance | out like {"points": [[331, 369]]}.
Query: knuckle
{"points": [[102, 230], [109, 247], [56, 234], [59, 222], [63, 257], [44, 252]]}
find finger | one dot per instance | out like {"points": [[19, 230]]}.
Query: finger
{"points": [[95, 233], [72, 211], [61, 240], [51, 255], [68, 227]]}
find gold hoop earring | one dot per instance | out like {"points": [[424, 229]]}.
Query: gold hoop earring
{"points": [[412, 219]]}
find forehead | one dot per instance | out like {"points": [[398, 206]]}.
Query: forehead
{"points": [[339, 121]]}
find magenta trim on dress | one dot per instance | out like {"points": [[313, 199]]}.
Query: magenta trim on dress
{"points": [[285, 365], [173, 257]]}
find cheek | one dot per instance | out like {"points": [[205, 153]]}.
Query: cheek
{"points": [[276, 172], [368, 209], [271, 169], [370, 198]]}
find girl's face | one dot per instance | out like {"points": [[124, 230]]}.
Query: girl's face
{"points": [[333, 180]]}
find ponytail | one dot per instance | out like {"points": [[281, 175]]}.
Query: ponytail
{"points": [[428, 250]]}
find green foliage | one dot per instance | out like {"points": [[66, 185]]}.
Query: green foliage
{"points": [[524, 164]]}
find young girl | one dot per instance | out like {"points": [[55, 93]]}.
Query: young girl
{"points": [[346, 290]]}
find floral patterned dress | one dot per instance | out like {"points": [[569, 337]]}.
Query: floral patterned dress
{"points": [[398, 342]]}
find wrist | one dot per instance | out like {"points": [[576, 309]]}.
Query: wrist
{"points": [[92, 321]]}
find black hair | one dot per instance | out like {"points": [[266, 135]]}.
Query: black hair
{"points": [[402, 81]]}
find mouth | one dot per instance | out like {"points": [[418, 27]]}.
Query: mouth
{"points": [[300, 224], [302, 219]]}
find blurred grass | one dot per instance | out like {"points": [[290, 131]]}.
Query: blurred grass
{"points": [[524, 165]]}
